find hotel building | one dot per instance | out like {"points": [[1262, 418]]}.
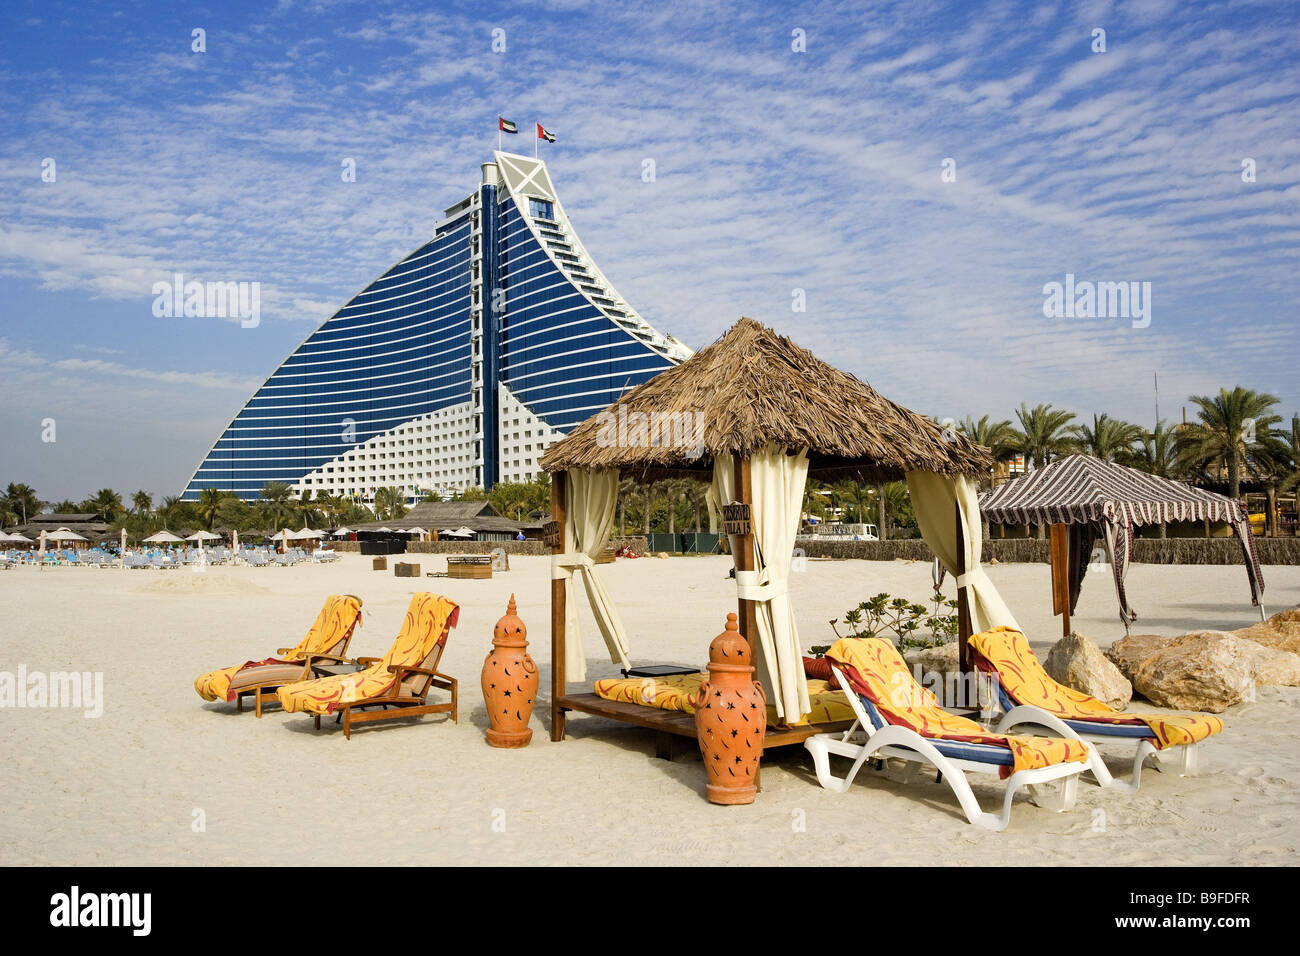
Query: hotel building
{"points": [[456, 368]]}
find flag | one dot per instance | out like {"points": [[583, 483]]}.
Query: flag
{"points": [[544, 133], [505, 126]]}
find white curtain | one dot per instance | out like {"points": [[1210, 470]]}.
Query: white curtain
{"points": [[590, 497], [935, 499], [777, 481]]}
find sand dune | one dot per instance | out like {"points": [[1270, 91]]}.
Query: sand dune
{"points": [[132, 786]]}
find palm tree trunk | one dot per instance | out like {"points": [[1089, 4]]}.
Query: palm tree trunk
{"points": [[1270, 518], [884, 511]]}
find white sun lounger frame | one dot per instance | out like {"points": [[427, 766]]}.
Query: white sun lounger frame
{"points": [[1053, 788], [1184, 756]]}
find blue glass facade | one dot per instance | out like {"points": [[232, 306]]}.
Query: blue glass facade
{"points": [[484, 303], [560, 354]]}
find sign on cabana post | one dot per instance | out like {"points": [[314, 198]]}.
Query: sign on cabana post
{"points": [[735, 519], [551, 534]]}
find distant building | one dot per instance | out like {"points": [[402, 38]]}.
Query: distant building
{"points": [[457, 367], [440, 516]]}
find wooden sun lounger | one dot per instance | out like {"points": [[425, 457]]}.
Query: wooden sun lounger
{"points": [[408, 697]]}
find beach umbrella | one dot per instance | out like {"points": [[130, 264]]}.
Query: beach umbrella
{"points": [[122, 548], [234, 541], [42, 551], [19, 536], [4, 536], [163, 537], [63, 534], [203, 536], [341, 532]]}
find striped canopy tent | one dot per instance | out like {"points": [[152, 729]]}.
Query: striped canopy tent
{"points": [[1098, 500]]}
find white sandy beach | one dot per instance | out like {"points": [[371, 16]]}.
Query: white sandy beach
{"points": [[125, 788]]}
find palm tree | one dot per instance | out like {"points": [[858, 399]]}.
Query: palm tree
{"points": [[626, 488], [7, 514], [1158, 453], [1109, 439], [210, 500], [1234, 426], [22, 500], [276, 504], [390, 503], [65, 507], [1043, 434], [696, 495], [998, 437], [141, 503]]}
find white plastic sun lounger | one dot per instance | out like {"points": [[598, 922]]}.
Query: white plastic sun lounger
{"points": [[870, 737], [1182, 758]]}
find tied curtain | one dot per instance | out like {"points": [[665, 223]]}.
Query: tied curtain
{"points": [[935, 499], [777, 481], [589, 502]]}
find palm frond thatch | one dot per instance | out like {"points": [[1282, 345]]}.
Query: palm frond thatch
{"points": [[752, 387]]}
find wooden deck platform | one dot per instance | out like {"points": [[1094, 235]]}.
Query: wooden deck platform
{"points": [[669, 724]]}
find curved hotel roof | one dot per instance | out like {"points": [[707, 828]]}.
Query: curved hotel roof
{"points": [[456, 367]]}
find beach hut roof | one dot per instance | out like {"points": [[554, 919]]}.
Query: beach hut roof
{"points": [[751, 387], [1082, 489]]}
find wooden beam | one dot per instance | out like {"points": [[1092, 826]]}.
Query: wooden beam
{"points": [[559, 483], [746, 611], [963, 606]]}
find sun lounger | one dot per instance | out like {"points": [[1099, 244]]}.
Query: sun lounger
{"points": [[899, 719], [326, 642], [1030, 697], [401, 679]]}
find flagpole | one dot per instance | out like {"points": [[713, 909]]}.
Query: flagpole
{"points": [[535, 139]]}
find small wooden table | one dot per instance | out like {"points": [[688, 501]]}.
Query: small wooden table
{"points": [[335, 670]]}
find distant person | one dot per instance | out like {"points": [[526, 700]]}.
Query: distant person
{"points": [[519, 536]]}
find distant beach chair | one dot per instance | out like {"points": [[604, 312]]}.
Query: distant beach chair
{"points": [[1032, 698], [897, 718], [401, 679], [326, 642]]}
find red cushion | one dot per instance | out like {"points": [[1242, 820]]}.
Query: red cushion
{"points": [[819, 668]]}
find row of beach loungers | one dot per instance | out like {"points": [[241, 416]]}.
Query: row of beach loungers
{"points": [[362, 690], [897, 720], [188, 557]]}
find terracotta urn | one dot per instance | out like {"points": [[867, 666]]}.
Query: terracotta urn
{"points": [[509, 683], [731, 719]]}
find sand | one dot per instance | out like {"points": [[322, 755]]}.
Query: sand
{"points": [[164, 778]]}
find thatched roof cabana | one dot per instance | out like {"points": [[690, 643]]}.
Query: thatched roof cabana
{"points": [[755, 415], [752, 387]]}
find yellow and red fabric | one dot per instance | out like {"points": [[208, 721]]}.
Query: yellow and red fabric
{"points": [[876, 670], [331, 629], [679, 691], [1004, 651], [428, 621]]}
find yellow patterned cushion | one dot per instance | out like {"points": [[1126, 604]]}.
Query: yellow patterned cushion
{"points": [[1026, 682], [875, 670], [678, 691], [337, 617], [426, 624]]}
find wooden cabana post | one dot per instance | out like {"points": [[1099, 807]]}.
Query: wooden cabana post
{"points": [[746, 610], [1059, 555], [963, 607], [559, 609]]}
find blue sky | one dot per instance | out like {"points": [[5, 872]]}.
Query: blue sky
{"points": [[775, 170]]}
